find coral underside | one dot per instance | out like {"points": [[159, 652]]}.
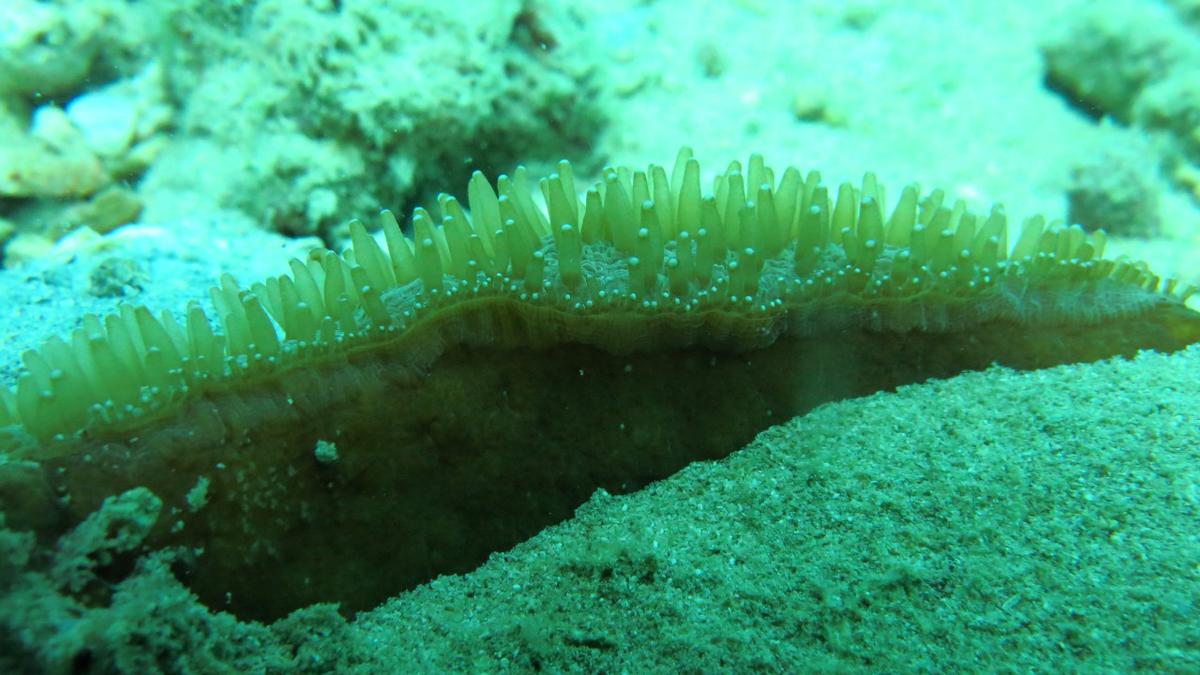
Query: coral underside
{"points": [[399, 411]]}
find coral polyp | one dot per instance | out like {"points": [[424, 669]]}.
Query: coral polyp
{"points": [[464, 385], [757, 256]]}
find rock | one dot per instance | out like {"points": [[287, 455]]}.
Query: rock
{"points": [[115, 117], [29, 168], [1108, 53], [24, 247], [1172, 105], [117, 277], [51, 161], [107, 118], [53, 127], [108, 209], [1117, 191], [45, 49]]}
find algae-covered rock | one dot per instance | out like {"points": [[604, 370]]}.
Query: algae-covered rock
{"points": [[44, 48], [363, 104], [63, 168], [48, 161], [1108, 53], [61, 610], [1117, 190], [1172, 105]]}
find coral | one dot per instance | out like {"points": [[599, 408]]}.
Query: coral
{"points": [[1134, 62], [62, 614], [649, 326], [43, 602], [1105, 56], [1116, 190], [329, 109], [120, 526], [1172, 105], [642, 243]]}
